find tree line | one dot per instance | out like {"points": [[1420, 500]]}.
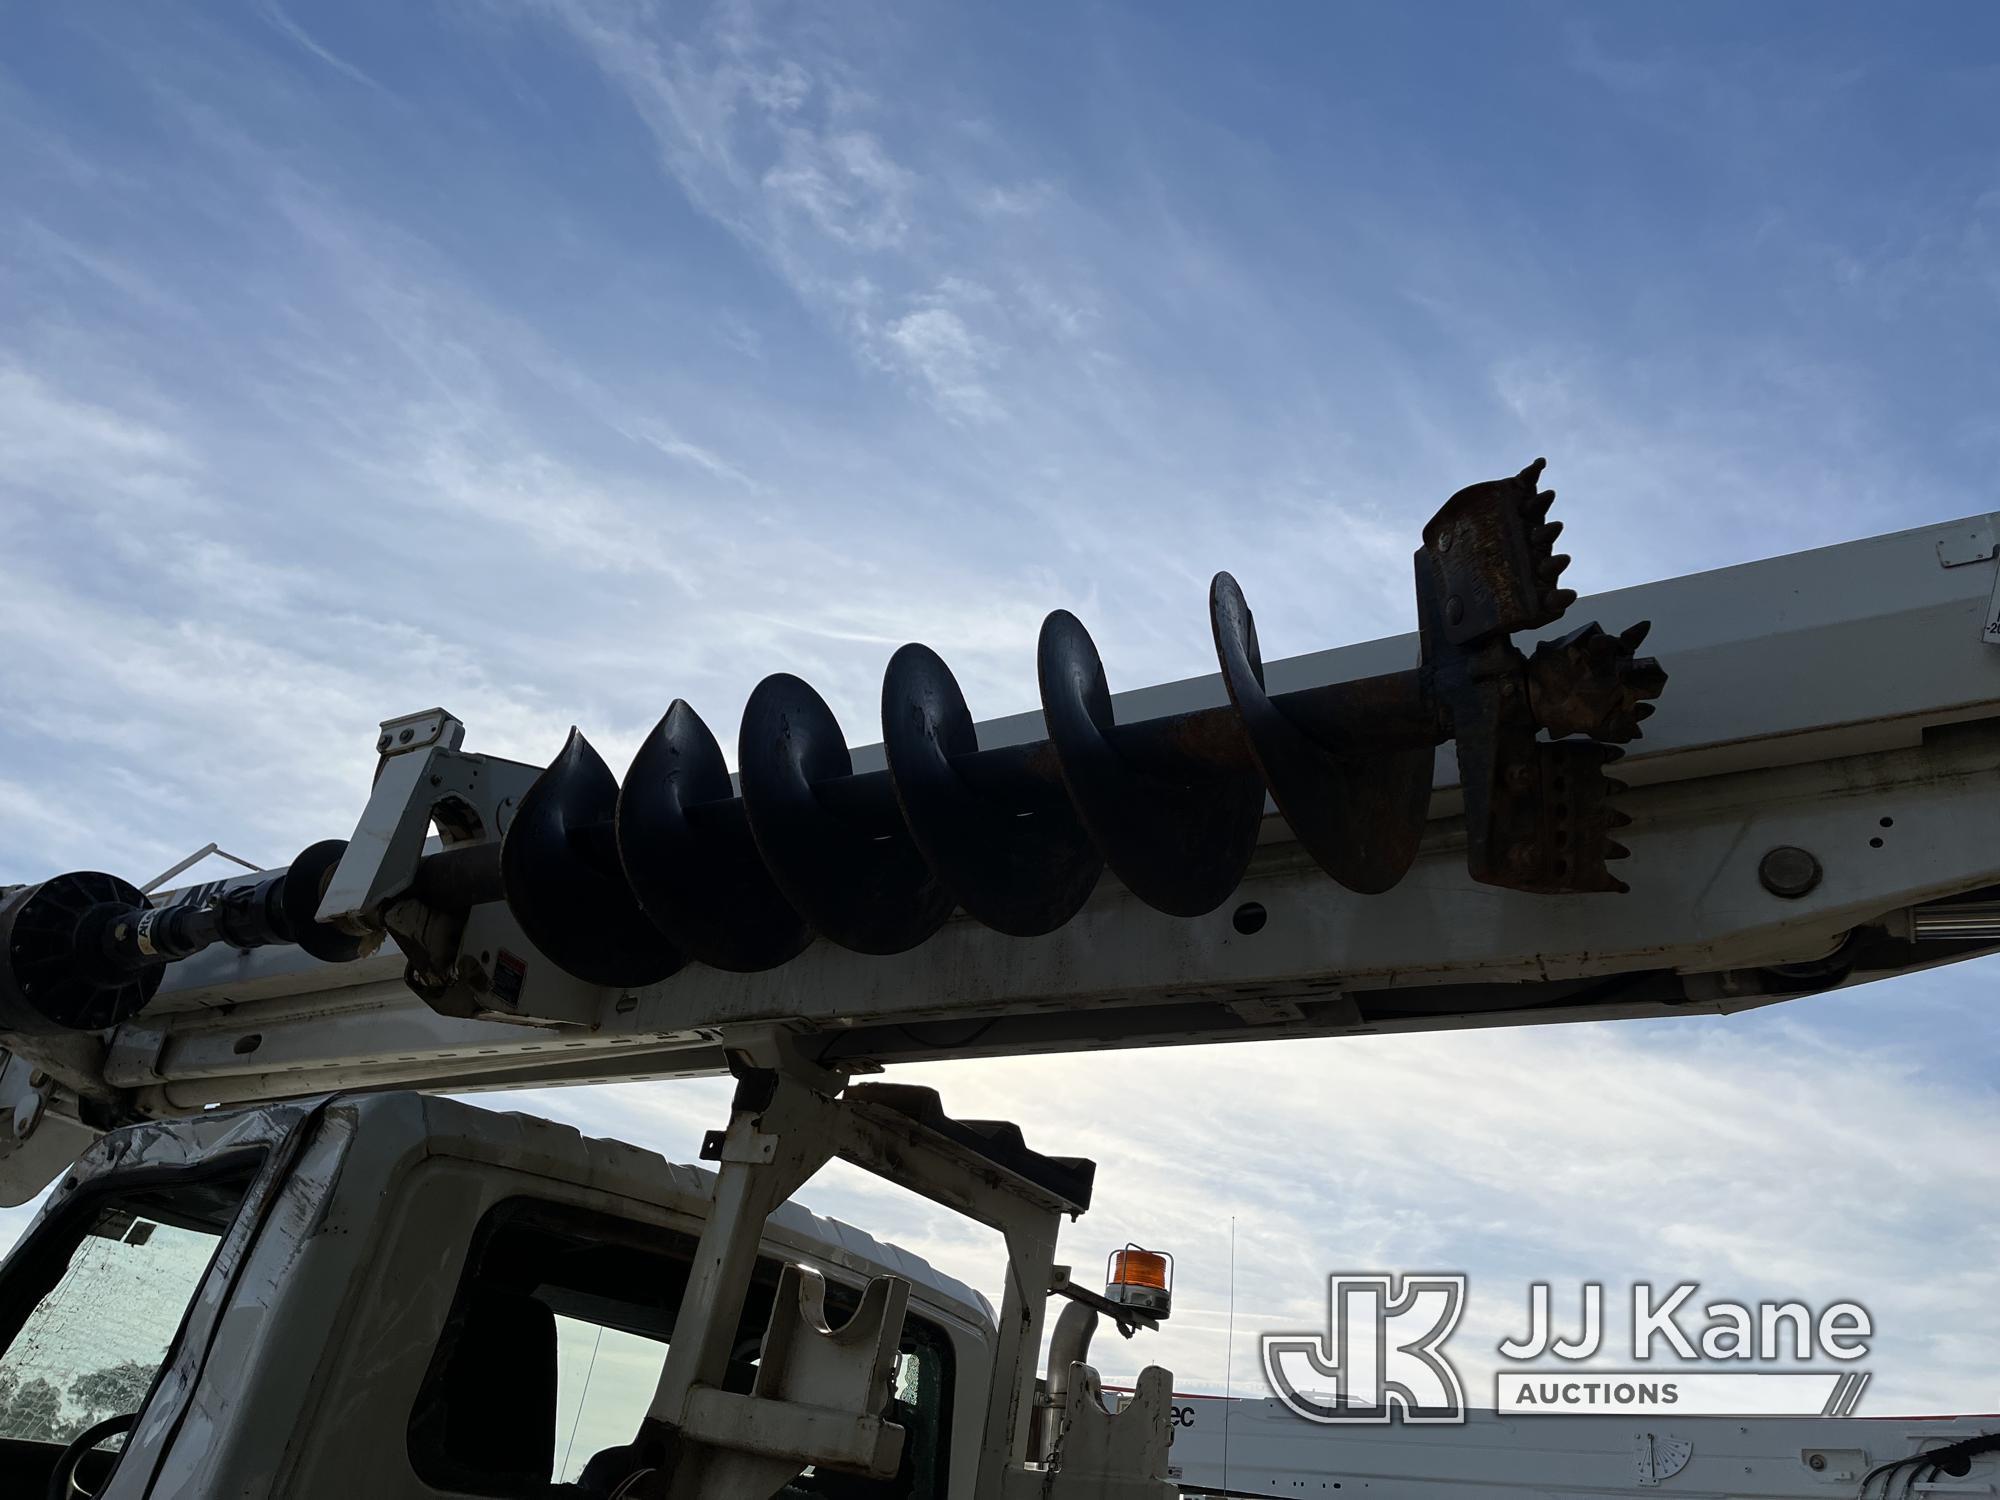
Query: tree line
{"points": [[39, 1411]]}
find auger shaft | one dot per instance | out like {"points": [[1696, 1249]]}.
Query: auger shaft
{"points": [[1029, 776], [1366, 716], [1175, 748], [84, 950]]}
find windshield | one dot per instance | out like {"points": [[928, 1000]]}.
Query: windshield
{"points": [[93, 1303]]}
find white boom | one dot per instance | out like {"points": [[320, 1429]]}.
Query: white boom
{"points": [[1814, 807]]}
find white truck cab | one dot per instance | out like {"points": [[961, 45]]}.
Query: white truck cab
{"points": [[396, 1295], [399, 1295]]}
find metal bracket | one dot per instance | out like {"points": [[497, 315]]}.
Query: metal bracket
{"points": [[1966, 544], [819, 1396], [790, 1118], [1100, 1454], [39, 1131], [1975, 542], [420, 731], [381, 857], [1127, 1320]]}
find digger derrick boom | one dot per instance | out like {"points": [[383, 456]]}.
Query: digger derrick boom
{"points": [[1813, 807], [620, 886]]}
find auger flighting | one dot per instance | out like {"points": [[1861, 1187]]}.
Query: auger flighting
{"points": [[621, 884]]}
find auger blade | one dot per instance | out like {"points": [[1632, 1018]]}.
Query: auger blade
{"points": [[1496, 560], [1590, 683], [304, 885], [559, 866], [1549, 820], [687, 850], [1179, 846], [1023, 868], [1535, 814], [1360, 817], [862, 884]]}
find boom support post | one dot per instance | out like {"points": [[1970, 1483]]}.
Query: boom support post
{"points": [[788, 1119]]}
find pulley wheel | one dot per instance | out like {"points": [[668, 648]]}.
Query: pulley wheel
{"points": [[55, 972], [305, 884]]}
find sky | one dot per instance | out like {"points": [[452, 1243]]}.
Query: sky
{"points": [[551, 361]]}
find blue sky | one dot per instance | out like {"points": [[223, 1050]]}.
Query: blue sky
{"points": [[551, 361]]}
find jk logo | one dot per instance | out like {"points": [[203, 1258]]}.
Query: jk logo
{"points": [[1381, 1349]]}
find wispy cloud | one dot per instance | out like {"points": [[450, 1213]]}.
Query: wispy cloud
{"points": [[551, 363], [277, 17]]}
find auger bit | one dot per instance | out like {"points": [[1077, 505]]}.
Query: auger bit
{"points": [[1538, 813]]}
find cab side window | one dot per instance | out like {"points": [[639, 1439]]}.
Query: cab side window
{"points": [[554, 1346]]}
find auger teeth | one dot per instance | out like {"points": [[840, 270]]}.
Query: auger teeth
{"points": [[1558, 600], [1551, 568], [1643, 711], [1533, 472], [1543, 501], [1613, 818], [1545, 536], [1634, 636], [1615, 850]]}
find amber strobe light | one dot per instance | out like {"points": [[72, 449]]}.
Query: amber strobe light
{"points": [[1142, 1279]]}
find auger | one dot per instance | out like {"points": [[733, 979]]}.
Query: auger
{"points": [[621, 884]]}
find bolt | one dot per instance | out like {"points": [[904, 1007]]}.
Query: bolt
{"points": [[406, 736], [1789, 872], [383, 743], [1454, 610], [1519, 778], [1816, 1462], [1444, 541]]}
